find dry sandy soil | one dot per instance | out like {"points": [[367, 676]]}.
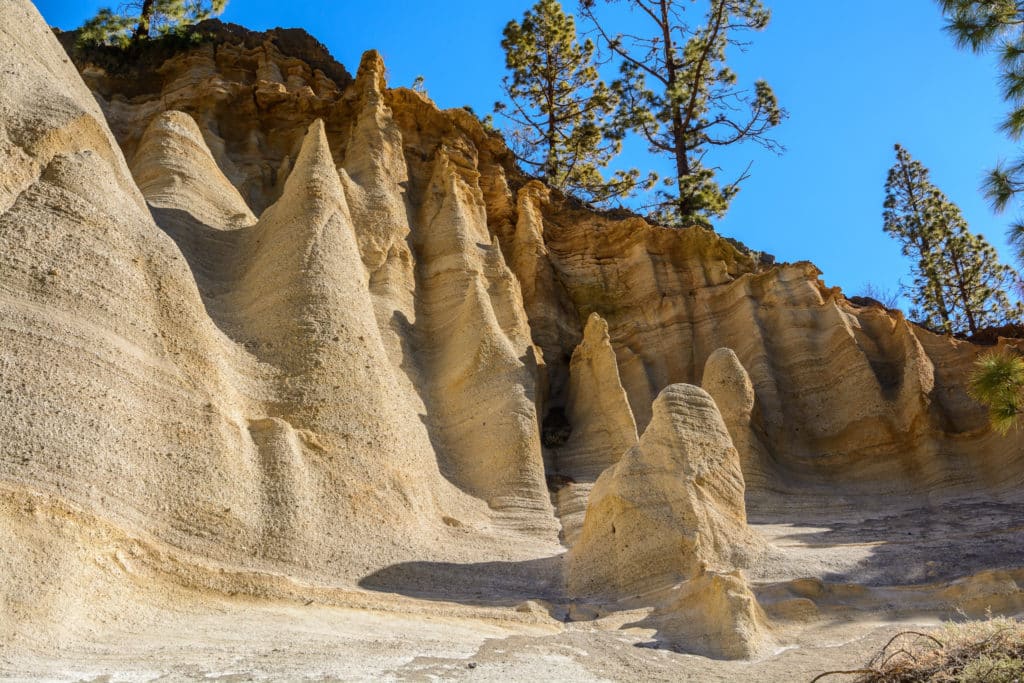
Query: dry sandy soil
{"points": [[483, 631]]}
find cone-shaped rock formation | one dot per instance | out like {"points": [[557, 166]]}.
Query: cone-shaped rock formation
{"points": [[602, 425], [318, 340], [727, 382], [671, 509]]}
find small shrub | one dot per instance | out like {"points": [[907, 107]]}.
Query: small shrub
{"points": [[986, 669], [987, 651]]}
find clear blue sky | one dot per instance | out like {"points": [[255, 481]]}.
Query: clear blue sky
{"points": [[856, 77]]}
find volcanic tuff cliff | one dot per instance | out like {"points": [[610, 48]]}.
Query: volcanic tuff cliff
{"points": [[268, 330]]}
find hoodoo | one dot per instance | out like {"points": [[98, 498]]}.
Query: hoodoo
{"points": [[670, 509], [302, 376], [602, 425], [728, 383]]}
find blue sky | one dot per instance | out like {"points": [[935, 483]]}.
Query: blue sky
{"points": [[855, 77]]}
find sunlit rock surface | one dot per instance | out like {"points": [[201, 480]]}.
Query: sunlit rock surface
{"points": [[282, 347]]}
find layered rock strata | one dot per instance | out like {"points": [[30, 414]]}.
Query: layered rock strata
{"points": [[224, 385], [670, 509], [603, 428], [667, 527], [853, 391], [315, 329], [713, 614], [728, 383]]}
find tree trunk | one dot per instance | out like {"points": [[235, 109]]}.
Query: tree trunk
{"points": [[682, 121], [678, 132], [145, 15], [550, 164], [961, 285], [924, 244]]}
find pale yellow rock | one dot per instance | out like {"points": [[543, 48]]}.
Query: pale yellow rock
{"points": [[193, 202], [729, 385], [121, 399], [843, 392], [669, 510], [229, 439], [602, 424], [727, 382], [254, 422], [666, 527], [550, 312], [715, 615], [302, 303], [174, 169], [480, 364], [374, 176]]}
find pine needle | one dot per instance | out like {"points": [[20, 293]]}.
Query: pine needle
{"points": [[998, 382]]}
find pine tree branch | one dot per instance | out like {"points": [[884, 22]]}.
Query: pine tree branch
{"points": [[615, 46], [698, 73]]}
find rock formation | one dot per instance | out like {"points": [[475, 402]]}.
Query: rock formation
{"points": [[715, 615], [670, 518], [602, 424], [223, 384], [670, 509], [727, 382], [268, 331], [892, 409]]}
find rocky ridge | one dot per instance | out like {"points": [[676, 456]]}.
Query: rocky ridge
{"points": [[270, 331]]}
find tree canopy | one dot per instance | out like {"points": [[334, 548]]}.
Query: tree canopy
{"points": [[558, 105], [959, 284], [141, 19], [998, 382], [981, 26], [679, 94]]}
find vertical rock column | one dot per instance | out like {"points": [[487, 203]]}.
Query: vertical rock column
{"points": [[727, 382], [304, 304], [602, 425], [553, 319], [374, 175], [479, 360], [666, 528]]}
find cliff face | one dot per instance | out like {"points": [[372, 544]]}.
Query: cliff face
{"points": [[263, 323], [848, 393]]}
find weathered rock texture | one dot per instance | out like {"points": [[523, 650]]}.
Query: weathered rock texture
{"points": [[602, 423], [667, 527], [269, 330], [671, 509], [715, 615], [727, 382], [237, 388], [857, 394]]}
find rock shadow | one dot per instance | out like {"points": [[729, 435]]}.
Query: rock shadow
{"points": [[214, 257], [412, 366], [480, 584], [926, 544]]}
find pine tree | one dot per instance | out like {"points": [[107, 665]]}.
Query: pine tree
{"points": [[679, 95], [977, 284], [558, 104], [959, 284], [141, 19], [998, 382], [981, 26]]}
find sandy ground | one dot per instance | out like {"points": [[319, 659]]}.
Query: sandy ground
{"points": [[906, 543], [900, 564], [284, 642]]}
